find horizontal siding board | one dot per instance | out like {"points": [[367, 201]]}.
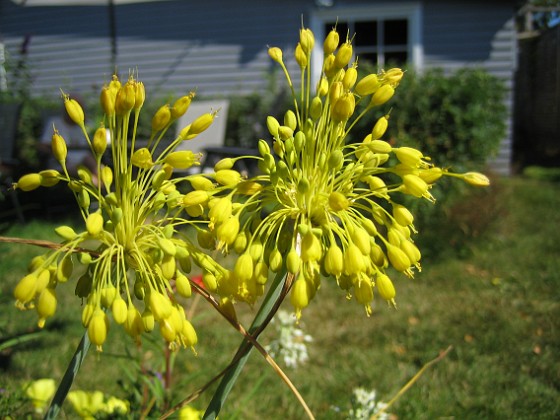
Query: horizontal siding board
{"points": [[218, 47]]}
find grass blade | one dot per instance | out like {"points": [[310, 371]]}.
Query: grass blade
{"points": [[68, 378]]}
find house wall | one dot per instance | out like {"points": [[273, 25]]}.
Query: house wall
{"points": [[219, 47]]}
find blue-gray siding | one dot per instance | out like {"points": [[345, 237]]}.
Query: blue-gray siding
{"points": [[219, 47]]}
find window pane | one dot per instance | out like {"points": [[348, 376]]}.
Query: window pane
{"points": [[365, 33], [395, 58], [370, 58], [396, 32]]}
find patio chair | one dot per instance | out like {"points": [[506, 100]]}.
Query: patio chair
{"points": [[211, 143]]}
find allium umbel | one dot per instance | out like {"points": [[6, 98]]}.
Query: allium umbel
{"points": [[321, 207]]}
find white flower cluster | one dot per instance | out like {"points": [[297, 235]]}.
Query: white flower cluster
{"points": [[365, 405], [291, 341]]}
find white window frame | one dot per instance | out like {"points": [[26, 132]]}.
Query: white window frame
{"points": [[412, 11]]}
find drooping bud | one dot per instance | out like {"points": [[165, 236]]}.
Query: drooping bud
{"points": [[228, 177], [334, 260], [25, 289], [119, 310], [299, 297], [385, 287], [402, 215], [181, 105], [311, 249], [409, 156], [183, 285], [397, 257], [196, 197], [97, 328], [49, 177]]}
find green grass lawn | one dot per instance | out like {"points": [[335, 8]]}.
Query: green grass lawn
{"points": [[498, 306]]}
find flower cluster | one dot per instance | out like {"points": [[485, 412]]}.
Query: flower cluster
{"points": [[291, 341], [323, 206], [132, 258]]}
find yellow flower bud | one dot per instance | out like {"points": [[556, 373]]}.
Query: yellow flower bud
{"points": [[301, 57], [134, 324], [196, 197], [477, 179], [431, 175], [316, 107], [183, 285], [328, 66], [227, 231], [350, 77], [66, 233], [119, 309], [167, 246], [398, 258], [393, 76], [210, 281], [343, 108], [416, 186], [148, 321], [49, 177], [402, 215], [25, 289], [181, 105], [228, 177], [409, 156], [243, 269], [299, 297], [64, 269], [126, 98], [97, 328], [58, 146], [382, 95], [200, 182], [189, 334], [201, 123], [275, 260], [94, 224], [338, 202], [367, 85], [273, 125], [108, 295], [249, 187], [182, 159], [311, 249], [161, 118], [335, 92], [100, 141], [107, 99], [276, 54], [334, 260], [168, 267], [307, 40], [353, 260], [140, 95], [331, 42], [74, 110], [160, 305], [411, 251], [107, 177], [290, 119], [29, 182], [385, 287], [343, 55], [360, 237], [142, 158], [379, 129]]}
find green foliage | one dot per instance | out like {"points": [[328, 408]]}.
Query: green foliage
{"points": [[458, 120]]}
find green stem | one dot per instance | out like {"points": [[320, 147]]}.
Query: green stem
{"points": [[270, 305]]}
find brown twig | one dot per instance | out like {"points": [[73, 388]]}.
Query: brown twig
{"points": [[411, 382], [252, 339]]}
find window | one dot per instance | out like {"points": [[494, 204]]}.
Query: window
{"points": [[383, 35]]}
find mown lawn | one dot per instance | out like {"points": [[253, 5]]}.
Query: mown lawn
{"points": [[498, 307]]}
